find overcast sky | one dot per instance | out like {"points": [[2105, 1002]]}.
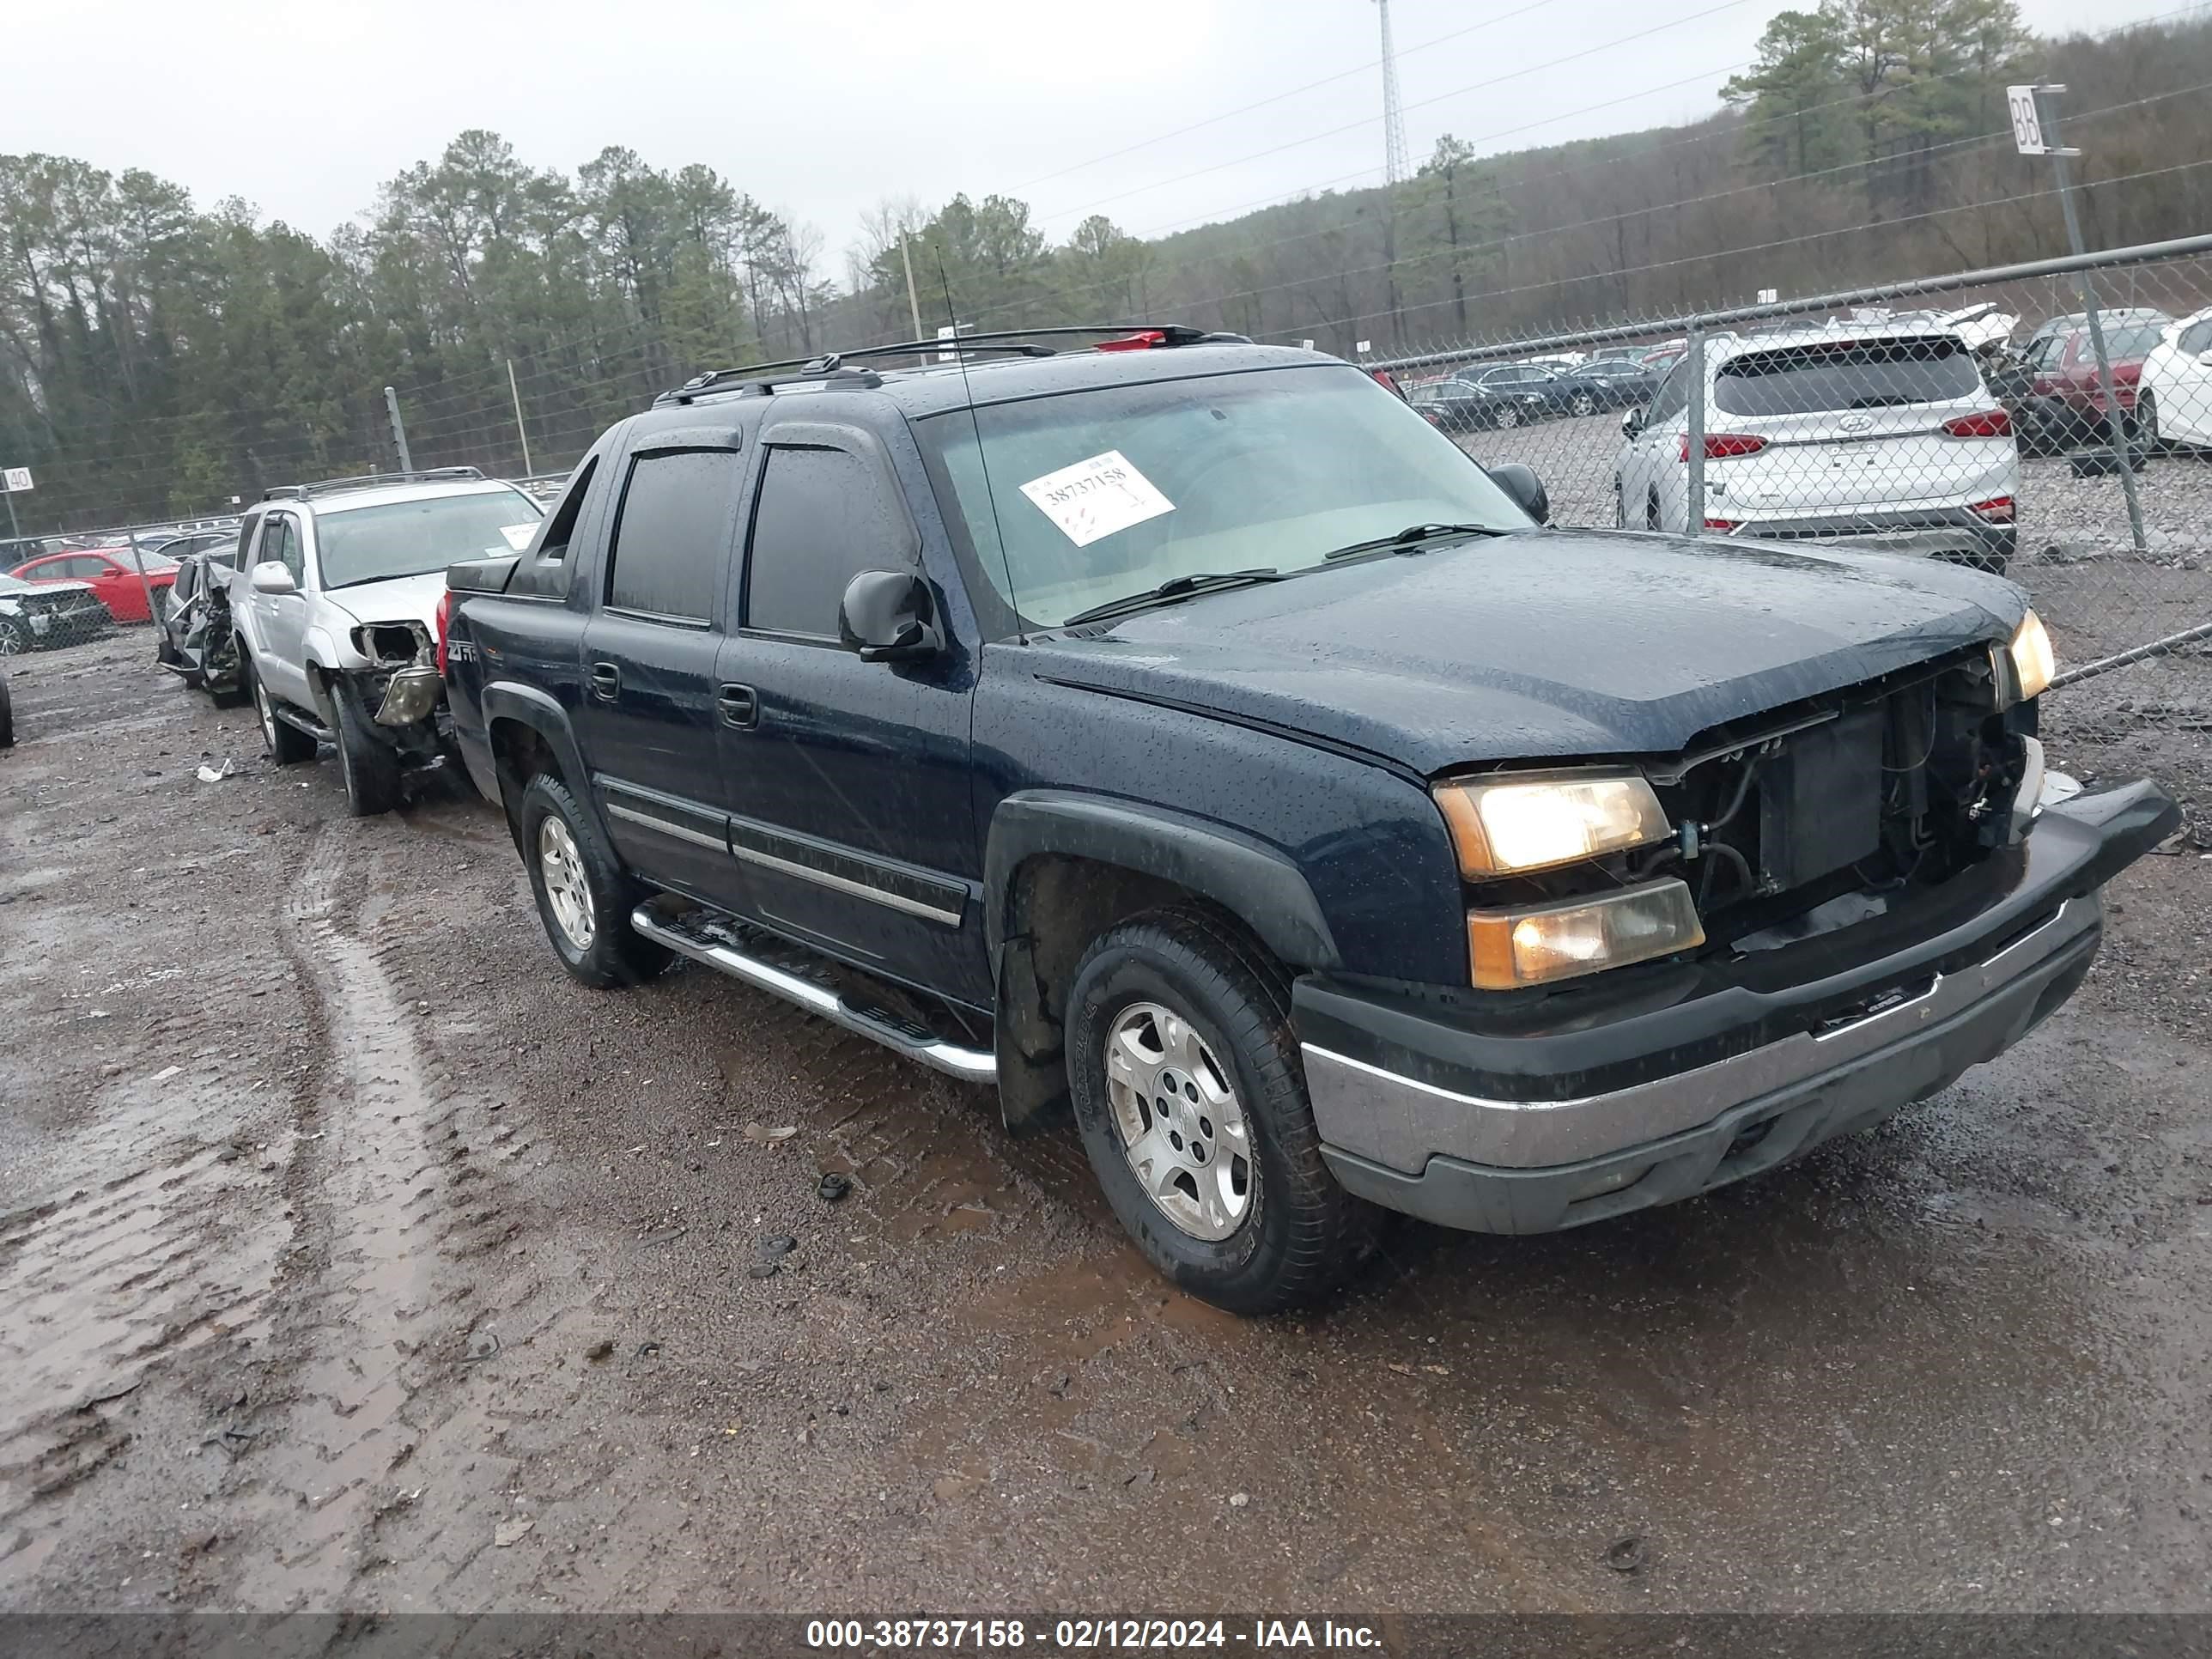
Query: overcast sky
{"points": [[303, 107]]}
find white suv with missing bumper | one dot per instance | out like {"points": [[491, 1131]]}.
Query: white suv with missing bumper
{"points": [[1883, 437], [335, 603]]}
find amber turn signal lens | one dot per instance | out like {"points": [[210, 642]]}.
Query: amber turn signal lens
{"points": [[1510, 949]]}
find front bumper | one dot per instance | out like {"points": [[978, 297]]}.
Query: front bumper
{"points": [[1717, 1072], [87, 621]]}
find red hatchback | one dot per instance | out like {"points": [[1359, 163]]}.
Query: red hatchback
{"points": [[113, 576]]}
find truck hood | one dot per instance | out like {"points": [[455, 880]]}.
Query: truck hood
{"points": [[400, 598], [1542, 645]]}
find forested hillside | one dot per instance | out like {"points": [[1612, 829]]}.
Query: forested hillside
{"points": [[157, 356]]}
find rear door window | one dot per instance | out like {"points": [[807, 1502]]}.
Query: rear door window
{"points": [[673, 537], [1829, 376]]}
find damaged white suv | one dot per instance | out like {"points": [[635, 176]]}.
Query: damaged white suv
{"points": [[335, 603]]}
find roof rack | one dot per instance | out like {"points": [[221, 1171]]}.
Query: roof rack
{"points": [[369, 481], [759, 379]]}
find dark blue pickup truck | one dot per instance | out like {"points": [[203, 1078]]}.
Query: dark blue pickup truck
{"points": [[1181, 730]]}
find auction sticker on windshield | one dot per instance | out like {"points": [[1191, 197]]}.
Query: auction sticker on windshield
{"points": [[1093, 499], [518, 535]]}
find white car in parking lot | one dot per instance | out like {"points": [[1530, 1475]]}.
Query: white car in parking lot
{"points": [[2173, 397], [1884, 437]]}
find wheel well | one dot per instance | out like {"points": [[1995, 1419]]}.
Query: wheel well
{"points": [[520, 752], [1061, 903]]}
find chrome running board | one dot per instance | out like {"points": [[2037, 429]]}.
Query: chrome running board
{"points": [[705, 943]]}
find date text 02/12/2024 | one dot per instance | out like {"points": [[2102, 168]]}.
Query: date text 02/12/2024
{"points": [[1089, 1635]]}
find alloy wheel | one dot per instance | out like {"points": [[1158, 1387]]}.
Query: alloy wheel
{"points": [[261, 707], [1180, 1123], [562, 867]]}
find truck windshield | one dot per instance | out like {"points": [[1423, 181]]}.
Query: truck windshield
{"points": [[412, 538], [1113, 491]]}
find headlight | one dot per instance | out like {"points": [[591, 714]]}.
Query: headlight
{"points": [[1510, 824], [2034, 664], [1509, 949]]}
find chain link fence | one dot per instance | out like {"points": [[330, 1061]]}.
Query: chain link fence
{"points": [[2052, 420]]}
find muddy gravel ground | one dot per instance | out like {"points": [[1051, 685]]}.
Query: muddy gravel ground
{"points": [[353, 1257]]}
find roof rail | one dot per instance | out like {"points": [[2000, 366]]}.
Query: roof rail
{"points": [[369, 481], [760, 378]]}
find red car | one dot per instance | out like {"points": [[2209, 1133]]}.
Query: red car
{"points": [[2064, 402], [113, 576]]}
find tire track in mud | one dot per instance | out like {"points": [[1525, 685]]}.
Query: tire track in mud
{"points": [[366, 1320]]}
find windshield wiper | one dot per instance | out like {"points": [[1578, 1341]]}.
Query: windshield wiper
{"points": [[1413, 536], [1174, 588]]}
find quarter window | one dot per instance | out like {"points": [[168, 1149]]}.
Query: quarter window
{"points": [[674, 533]]}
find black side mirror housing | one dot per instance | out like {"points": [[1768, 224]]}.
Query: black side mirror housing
{"points": [[889, 616], [1631, 421], [1526, 489]]}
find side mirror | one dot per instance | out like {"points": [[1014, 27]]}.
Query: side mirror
{"points": [[1631, 421], [888, 616], [1526, 489], [270, 577]]}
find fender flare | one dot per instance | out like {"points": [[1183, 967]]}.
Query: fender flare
{"points": [[510, 700], [1252, 880]]}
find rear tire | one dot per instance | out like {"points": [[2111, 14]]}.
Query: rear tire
{"points": [[1505, 415], [584, 897], [1224, 1097], [286, 745], [371, 767]]}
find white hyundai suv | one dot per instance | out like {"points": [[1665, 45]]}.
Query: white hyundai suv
{"points": [[335, 603], [1880, 436]]}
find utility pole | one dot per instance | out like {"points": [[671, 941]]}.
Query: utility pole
{"points": [[521, 430], [398, 431], [2035, 132], [912, 305]]}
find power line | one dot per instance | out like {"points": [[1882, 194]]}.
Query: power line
{"points": [[1598, 163], [1353, 126], [1712, 254], [1519, 237], [1277, 98]]}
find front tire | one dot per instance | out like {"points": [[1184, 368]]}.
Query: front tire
{"points": [[584, 898], [15, 639], [1581, 404], [1192, 1104], [370, 766], [286, 745]]}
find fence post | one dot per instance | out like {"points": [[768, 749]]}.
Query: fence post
{"points": [[398, 431], [521, 428], [1693, 445], [2115, 429]]}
